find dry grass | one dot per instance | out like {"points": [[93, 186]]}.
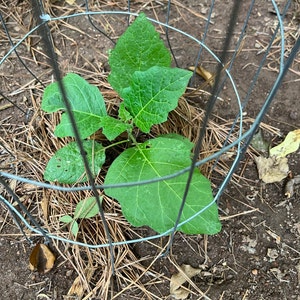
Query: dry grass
{"points": [[93, 266], [29, 146]]}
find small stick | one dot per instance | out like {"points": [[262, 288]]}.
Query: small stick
{"points": [[5, 106]]}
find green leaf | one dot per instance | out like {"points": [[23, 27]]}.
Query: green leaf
{"points": [[86, 101], [157, 204], [138, 49], [153, 94], [113, 127], [73, 224], [66, 166], [86, 208], [66, 219], [124, 114], [74, 228]]}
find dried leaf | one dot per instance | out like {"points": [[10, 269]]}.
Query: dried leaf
{"points": [[28, 187], [41, 259], [177, 280], [275, 168], [272, 169], [45, 206], [290, 144], [13, 184], [78, 287], [206, 75]]}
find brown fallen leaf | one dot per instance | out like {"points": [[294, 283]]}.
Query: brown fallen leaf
{"points": [[41, 259], [206, 75], [177, 280], [272, 169], [78, 287]]}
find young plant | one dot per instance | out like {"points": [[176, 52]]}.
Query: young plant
{"points": [[141, 74], [85, 209]]}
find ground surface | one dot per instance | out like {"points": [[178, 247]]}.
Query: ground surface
{"points": [[257, 253]]}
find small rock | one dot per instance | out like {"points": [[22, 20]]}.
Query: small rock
{"points": [[257, 46], [293, 115], [272, 253], [254, 272]]}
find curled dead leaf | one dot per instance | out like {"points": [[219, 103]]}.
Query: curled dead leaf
{"points": [[78, 287], [41, 259], [177, 280], [206, 75], [272, 169], [275, 168]]}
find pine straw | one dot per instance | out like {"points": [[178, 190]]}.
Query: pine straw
{"points": [[29, 147], [47, 206]]}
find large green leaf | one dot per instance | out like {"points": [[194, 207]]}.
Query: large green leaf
{"points": [[157, 204], [138, 49], [66, 166], [153, 94], [86, 101]]}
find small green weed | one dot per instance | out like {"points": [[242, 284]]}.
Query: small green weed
{"points": [[85, 209]]}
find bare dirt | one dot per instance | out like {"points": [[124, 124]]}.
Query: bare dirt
{"points": [[257, 253]]}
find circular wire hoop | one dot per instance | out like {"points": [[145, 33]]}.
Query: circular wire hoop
{"points": [[90, 28], [243, 135]]}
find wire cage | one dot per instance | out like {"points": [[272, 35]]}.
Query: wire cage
{"points": [[54, 38]]}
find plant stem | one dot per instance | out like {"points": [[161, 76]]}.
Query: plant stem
{"points": [[117, 143], [132, 138]]}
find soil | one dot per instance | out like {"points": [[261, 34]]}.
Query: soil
{"points": [[257, 253]]}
